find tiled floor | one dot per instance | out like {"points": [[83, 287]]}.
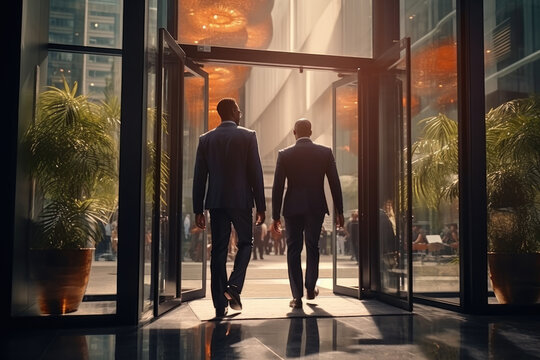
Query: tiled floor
{"points": [[428, 333]]}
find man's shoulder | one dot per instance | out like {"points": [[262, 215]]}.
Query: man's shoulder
{"points": [[312, 146], [217, 130], [207, 134], [286, 149], [245, 129], [237, 130], [322, 147], [245, 132]]}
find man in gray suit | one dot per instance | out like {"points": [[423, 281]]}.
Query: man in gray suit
{"points": [[304, 165], [228, 159]]}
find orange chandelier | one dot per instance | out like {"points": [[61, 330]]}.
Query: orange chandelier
{"points": [[434, 72], [229, 23]]}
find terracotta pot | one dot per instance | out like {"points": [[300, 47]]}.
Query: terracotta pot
{"points": [[515, 278], [61, 277]]}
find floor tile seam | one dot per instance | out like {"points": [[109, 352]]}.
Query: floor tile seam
{"points": [[305, 317], [266, 346], [285, 298]]}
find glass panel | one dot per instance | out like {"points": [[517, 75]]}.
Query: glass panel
{"points": [[393, 179], [148, 165], [512, 85], [434, 124], [148, 297], [346, 153], [306, 26], [73, 189], [193, 239], [86, 22], [167, 172]]}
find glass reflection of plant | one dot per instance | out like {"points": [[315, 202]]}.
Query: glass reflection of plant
{"points": [[435, 162], [151, 163], [513, 171]]}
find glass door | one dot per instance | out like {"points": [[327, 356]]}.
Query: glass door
{"points": [[175, 122], [393, 268], [346, 240], [194, 249]]}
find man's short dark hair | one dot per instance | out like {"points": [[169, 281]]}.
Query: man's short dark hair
{"points": [[303, 127], [225, 108]]}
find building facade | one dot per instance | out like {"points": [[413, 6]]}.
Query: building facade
{"points": [[416, 133]]}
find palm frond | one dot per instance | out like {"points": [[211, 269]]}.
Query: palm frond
{"points": [[68, 224], [435, 157]]}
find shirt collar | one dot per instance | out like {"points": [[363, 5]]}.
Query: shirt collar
{"points": [[228, 122], [303, 139]]}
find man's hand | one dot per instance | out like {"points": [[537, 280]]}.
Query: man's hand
{"points": [[200, 220], [340, 221], [276, 226], [260, 218]]}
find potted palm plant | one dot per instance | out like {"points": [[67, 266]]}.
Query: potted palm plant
{"points": [[513, 185], [73, 160]]}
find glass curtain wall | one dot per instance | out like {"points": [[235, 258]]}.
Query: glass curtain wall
{"points": [[512, 86], [70, 167], [431, 25]]}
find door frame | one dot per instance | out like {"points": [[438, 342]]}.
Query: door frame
{"points": [[340, 289], [165, 39], [175, 179], [370, 130], [196, 293], [345, 65]]}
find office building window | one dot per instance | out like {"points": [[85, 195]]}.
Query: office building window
{"points": [[90, 22]]}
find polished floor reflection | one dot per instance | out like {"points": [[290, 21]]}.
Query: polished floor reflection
{"points": [[428, 333]]}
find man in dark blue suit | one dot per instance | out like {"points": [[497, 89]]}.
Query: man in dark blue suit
{"points": [[228, 159], [304, 165]]}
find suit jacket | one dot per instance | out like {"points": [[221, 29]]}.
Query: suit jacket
{"points": [[228, 159], [305, 165]]}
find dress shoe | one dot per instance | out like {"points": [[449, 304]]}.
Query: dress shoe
{"points": [[234, 298], [221, 312], [311, 294], [296, 303]]}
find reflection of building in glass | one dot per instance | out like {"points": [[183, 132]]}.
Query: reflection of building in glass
{"points": [[512, 50], [85, 23]]}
